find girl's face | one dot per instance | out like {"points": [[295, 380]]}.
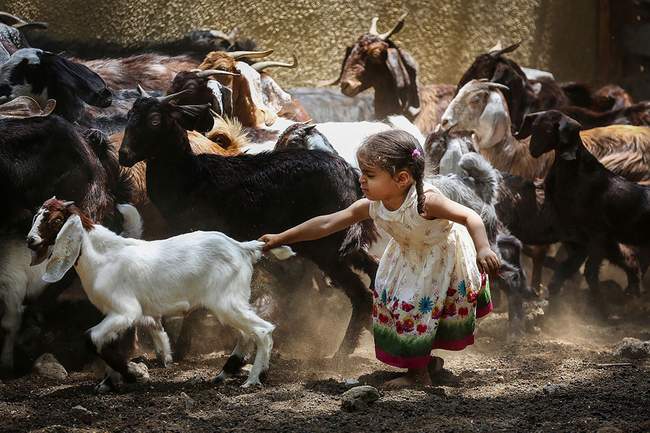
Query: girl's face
{"points": [[379, 184]]}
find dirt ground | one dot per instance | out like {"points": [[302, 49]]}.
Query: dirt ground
{"points": [[563, 376]]}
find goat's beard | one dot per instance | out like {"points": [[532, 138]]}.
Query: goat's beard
{"points": [[39, 255]]}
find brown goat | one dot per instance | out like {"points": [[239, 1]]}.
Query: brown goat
{"points": [[375, 61]]}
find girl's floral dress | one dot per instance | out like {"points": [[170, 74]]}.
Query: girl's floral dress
{"points": [[428, 291]]}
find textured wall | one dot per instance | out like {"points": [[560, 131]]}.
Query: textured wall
{"points": [[443, 35]]}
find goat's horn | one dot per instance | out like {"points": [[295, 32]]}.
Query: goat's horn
{"points": [[249, 54], [221, 35], [260, 66], [35, 24], [373, 26], [497, 86], [68, 203], [396, 29], [10, 19], [496, 47], [509, 49], [208, 72], [169, 98], [143, 92]]}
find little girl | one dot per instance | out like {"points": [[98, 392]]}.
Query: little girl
{"points": [[431, 284]]}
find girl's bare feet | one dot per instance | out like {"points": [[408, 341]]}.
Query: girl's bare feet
{"points": [[413, 377]]}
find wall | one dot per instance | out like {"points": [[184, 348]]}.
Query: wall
{"points": [[444, 35]]}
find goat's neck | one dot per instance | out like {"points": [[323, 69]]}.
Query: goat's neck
{"points": [[512, 156], [169, 171], [386, 98], [96, 247]]}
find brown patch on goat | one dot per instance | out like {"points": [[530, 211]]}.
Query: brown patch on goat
{"points": [[55, 214], [243, 107]]}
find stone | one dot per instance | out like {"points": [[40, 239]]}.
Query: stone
{"points": [[189, 402], [633, 348], [83, 414], [359, 397], [48, 366], [140, 371], [553, 388]]}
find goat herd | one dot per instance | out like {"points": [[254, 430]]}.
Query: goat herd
{"points": [[198, 137]]}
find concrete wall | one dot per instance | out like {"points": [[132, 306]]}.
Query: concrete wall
{"points": [[443, 35]]}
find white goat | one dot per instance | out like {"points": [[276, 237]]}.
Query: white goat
{"points": [[134, 282]]}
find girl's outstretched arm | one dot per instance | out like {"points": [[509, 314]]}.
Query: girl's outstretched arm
{"points": [[437, 205], [320, 226]]}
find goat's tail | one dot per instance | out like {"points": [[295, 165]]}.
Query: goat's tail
{"points": [[132, 226], [255, 248], [359, 236], [486, 177]]}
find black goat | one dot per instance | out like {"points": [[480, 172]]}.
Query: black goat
{"points": [[41, 157], [42, 75], [594, 207], [246, 196], [195, 44], [304, 136]]}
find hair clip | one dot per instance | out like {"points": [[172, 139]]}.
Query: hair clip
{"points": [[416, 153]]}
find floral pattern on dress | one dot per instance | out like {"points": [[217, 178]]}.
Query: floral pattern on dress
{"points": [[411, 312]]}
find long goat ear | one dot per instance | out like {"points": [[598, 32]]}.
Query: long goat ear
{"points": [[403, 70], [567, 140], [65, 251], [526, 128], [516, 96]]}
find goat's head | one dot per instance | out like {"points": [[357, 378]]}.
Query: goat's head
{"points": [[493, 66], [55, 235], [42, 75], [304, 136], [201, 89], [611, 97], [552, 130], [512, 272], [248, 100], [153, 122], [479, 107], [375, 61]]}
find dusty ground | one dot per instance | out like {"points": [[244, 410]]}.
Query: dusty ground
{"points": [[555, 379]]}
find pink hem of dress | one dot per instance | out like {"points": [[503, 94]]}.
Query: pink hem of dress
{"points": [[399, 362], [484, 310], [454, 344]]}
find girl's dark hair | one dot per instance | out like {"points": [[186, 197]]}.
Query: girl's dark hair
{"points": [[394, 151]]}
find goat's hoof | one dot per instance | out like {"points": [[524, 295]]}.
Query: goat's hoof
{"points": [[164, 360], [105, 386], [221, 378], [252, 382]]}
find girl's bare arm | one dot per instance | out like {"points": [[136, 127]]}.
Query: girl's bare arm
{"points": [[438, 206], [320, 226]]}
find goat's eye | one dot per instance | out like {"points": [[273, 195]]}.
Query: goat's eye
{"points": [[154, 119]]}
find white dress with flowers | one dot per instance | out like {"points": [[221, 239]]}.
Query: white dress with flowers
{"points": [[428, 290]]}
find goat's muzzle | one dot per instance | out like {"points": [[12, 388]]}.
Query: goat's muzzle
{"points": [[350, 87], [126, 157], [38, 250]]}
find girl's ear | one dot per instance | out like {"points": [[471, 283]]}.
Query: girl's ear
{"points": [[403, 178]]}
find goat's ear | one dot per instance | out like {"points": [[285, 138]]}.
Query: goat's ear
{"points": [[403, 69], [193, 117], [568, 129], [526, 127], [226, 100], [516, 96], [65, 251], [85, 83]]}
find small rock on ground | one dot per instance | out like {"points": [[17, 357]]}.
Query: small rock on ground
{"points": [[359, 397], [140, 371], [83, 414], [189, 402], [48, 366], [633, 348]]}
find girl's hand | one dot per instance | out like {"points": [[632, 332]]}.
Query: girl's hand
{"points": [[271, 241], [488, 262]]}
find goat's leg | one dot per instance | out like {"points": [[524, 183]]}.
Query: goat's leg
{"points": [[246, 321], [576, 255], [361, 300], [236, 360], [627, 258], [592, 271], [11, 325], [184, 341], [161, 344], [116, 355], [113, 339], [538, 255]]}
